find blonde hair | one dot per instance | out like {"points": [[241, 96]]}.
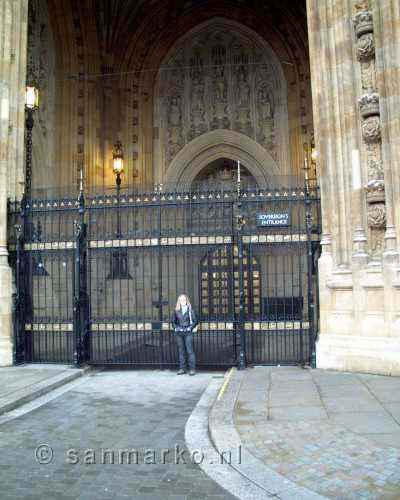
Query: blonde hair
{"points": [[178, 304]]}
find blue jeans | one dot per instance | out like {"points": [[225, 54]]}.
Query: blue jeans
{"points": [[185, 343]]}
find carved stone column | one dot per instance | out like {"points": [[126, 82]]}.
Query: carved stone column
{"points": [[13, 29], [371, 126], [356, 131]]}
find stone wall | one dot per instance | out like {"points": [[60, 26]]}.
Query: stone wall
{"points": [[359, 267], [41, 70], [13, 27]]}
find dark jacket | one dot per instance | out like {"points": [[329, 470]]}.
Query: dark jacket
{"points": [[182, 323]]}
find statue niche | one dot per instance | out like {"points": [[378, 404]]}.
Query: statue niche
{"points": [[220, 86], [197, 112], [175, 139], [243, 123], [266, 120]]}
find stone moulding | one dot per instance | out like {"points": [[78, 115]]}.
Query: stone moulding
{"points": [[341, 280], [396, 284], [363, 23], [369, 105], [373, 279], [375, 191]]}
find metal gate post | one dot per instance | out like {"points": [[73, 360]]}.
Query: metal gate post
{"points": [[19, 300], [240, 223], [310, 291], [242, 354], [80, 309], [160, 302]]}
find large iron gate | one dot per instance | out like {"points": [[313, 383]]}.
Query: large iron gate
{"points": [[97, 279]]}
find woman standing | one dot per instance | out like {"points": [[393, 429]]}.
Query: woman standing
{"points": [[185, 320]]}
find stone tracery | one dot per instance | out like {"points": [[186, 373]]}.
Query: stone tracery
{"points": [[220, 79]]}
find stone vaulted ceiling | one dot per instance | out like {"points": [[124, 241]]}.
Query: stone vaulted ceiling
{"points": [[114, 20], [119, 21]]}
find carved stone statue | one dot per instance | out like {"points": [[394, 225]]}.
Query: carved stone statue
{"points": [[174, 112], [197, 91], [243, 88], [175, 142], [265, 105], [198, 125], [220, 83], [266, 120]]}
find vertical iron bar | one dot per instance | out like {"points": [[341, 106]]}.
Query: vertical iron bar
{"points": [[160, 282]]}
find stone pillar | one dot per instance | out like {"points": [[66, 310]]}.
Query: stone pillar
{"points": [[13, 31], [354, 75], [386, 17]]}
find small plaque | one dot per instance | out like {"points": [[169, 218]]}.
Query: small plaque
{"points": [[273, 219]]}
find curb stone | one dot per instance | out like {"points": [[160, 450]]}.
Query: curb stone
{"points": [[28, 394], [197, 438]]}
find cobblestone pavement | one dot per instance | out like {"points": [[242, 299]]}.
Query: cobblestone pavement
{"points": [[337, 434], [114, 410]]}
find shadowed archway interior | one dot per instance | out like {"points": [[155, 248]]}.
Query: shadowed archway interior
{"points": [[222, 174], [159, 75]]}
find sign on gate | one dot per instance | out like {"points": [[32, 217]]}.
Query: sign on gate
{"points": [[273, 219]]}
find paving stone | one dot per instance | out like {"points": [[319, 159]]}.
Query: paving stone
{"points": [[300, 413], [353, 453], [344, 404], [366, 422], [113, 410]]}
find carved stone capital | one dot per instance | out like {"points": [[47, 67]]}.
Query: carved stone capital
{"points": [[371, 129], [375, 191], [369, 104], [377, 216], [363, 23]]}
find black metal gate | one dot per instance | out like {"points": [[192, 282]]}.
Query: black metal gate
{"points": [[97, 279]]}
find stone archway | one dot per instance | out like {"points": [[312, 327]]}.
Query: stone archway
{"points": [[221, 144]]}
